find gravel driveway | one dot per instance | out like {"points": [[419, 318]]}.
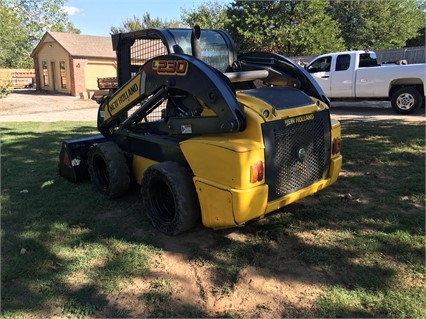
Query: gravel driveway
{"points": [[33, 106], [30, 105]]}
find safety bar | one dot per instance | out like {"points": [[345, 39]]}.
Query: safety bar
{"points": [[244, 76]]}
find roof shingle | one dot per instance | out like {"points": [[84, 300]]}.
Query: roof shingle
{"points": [[79, 45]]}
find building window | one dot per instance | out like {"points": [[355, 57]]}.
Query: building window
{"points": [[45, 73], [63, 71]]}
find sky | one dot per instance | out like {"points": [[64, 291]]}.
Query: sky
{"points": [[96, 17]]}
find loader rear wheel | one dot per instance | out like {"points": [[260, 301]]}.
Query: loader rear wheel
{"points": [[169, 198], [108, 169]]}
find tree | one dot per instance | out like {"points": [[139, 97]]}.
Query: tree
{"points": [[295, 27], [67, 27], [13, 42], [23, 23], [418, 41], [147, 22], [209, 15], [378, 24]]}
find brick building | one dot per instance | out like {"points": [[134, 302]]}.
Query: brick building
{"points": [[71, 63]]}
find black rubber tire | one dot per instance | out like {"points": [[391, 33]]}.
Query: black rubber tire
{"points": [[108, 169], [169, 198], [406, 100]]}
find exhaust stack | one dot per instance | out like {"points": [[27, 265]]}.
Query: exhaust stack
{"points": [[195, 42]]}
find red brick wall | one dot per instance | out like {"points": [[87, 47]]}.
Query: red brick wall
{"points": [[37, 73], [78, 84]]}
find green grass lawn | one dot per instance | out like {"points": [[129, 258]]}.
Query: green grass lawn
{"points": [[65, 250]]}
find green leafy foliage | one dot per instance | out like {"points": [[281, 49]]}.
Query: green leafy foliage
{"points": [[6, 87], [287, 27], [298, 27], [209, 15], [22, 25], [146, 22], [377, 24], [291, 27], [13, 40]]}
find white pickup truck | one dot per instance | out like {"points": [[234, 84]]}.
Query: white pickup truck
{"points": [[355, 75]]}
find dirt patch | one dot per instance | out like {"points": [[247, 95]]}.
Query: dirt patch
{"points": [[279, 284], [372, 111], [33, 106]]}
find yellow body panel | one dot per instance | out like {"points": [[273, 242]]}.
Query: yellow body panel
{"points": [[260, 106], [216, 205], [140, 164], [225, 159], [226, 207], [221, 165]]}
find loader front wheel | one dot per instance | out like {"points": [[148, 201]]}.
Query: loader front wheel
{"points": [[169, 198], [108, 169]]}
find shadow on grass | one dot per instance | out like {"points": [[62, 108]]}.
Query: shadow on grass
{"points": [[355, 235]]}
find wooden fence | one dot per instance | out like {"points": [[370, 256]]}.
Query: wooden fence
{"points": [[411, 54], [17, 78]]}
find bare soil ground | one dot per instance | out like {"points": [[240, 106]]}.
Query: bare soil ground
{"points": [[282, 284], [28, 105]]}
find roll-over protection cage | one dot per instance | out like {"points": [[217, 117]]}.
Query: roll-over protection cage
{"points": [[133, 49]]}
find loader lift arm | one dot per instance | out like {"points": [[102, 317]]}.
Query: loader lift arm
{"points": [[169, 77]]}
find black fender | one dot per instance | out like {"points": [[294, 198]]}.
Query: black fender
{"points": [[280, 63]]}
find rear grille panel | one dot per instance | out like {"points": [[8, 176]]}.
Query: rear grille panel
{"points": [[297, 152]]}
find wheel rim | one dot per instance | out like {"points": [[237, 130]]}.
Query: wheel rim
{"points": [[405, 101], [162, 200]]}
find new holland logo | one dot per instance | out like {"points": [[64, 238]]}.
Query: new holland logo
{"points": [[124, 96], [299, 119]]}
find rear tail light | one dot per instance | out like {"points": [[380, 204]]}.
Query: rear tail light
{"points": [[66, 160], [336, 146], [256, 172]]}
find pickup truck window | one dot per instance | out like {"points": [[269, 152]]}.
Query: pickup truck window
{"points": [[320, 65], [342, 62], [367, 59]]}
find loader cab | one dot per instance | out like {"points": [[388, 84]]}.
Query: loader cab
{"points": [[135, 48]]}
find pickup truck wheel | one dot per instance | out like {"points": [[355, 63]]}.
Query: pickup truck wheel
{"points": [[169, 198], [406, 100], [108, 169]]}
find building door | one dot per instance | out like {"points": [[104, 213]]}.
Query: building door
{"points": [[53, 68]]}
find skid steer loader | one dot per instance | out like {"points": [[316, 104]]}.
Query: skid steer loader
{"points": [[206, 134]]}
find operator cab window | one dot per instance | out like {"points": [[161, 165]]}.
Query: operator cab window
{"points": [[320, 65], [214, 50]]}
